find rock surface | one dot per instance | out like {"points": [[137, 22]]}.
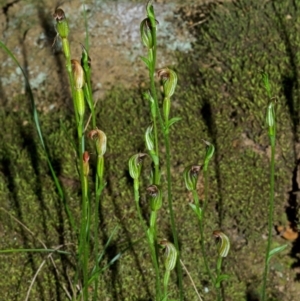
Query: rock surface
{"points": [[28, 30]]}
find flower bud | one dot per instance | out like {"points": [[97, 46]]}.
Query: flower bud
{"points": [[85, 59], [170, 255], [100, 140], [190, 175], [150, 11], [270, 118], [78, 84], [210, 149], [61, 23], [155, 197], [149, 138], [169, 80], [86, 167], [146, 34], [150, 145], [78, 74], [79, 100], [148, 96], [224, 245], [135, 165]]}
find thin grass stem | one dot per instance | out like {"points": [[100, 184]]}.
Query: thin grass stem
{"points": [[270, 219], [171, 212], [271, 122], [151, 245], [200, 223]]}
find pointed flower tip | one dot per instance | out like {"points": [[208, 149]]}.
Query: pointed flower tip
{"points": [[225, 243], [149, 4], [150, 9]]}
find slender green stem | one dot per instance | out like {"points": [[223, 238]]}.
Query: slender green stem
{"points": [[89, 98], [151, 245], [137, 201], [66, 48], [154, 118], [270, 220], [83, 251], [166, 281], [156, 166], [98, 179], [218, 271], [206, 189], [83, 243], [168, 159], [98, 190], [152, 53], [171, 211], [79, 122], [67, 53], [200, 222]]}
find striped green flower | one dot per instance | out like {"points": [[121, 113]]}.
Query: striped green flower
{"points": [[224, 243], [190, 175], [135, 165], [170, 255]]}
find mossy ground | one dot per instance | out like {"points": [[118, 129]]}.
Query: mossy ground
{"points": [[220, 98]]}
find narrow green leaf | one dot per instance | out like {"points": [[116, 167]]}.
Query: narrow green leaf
{"points": [[220, 279], [223, 277], [150, 235], [173, 120], [146, 61], [275, 251], [198, 211], [266, 82], [96, 269], [7, 251], [154, 158]]}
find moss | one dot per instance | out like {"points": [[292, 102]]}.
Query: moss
{"points": [[221, 99]]}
